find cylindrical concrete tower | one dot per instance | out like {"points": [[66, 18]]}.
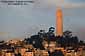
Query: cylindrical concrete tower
{"points": [[59, 22]]}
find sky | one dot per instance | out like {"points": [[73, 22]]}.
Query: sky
{"points": [[19, 21]]}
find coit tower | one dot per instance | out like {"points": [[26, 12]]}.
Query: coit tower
{"points": [[59, 22]]}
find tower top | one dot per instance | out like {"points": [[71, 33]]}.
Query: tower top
{"points": [[59, 12]]}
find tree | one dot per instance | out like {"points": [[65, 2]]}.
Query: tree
{"points": [[74, 41], [36, 41], [41, 33], [81, 42], [51, 29], [68, 35], [50, 34], [70, 39]]}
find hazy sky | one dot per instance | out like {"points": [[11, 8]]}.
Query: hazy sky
{"points": [[16, 21]]}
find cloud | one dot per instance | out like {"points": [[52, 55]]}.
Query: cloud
{"points": [[76, 1], [47, 3], [74, 5], [56, 3], [62, 3]]}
